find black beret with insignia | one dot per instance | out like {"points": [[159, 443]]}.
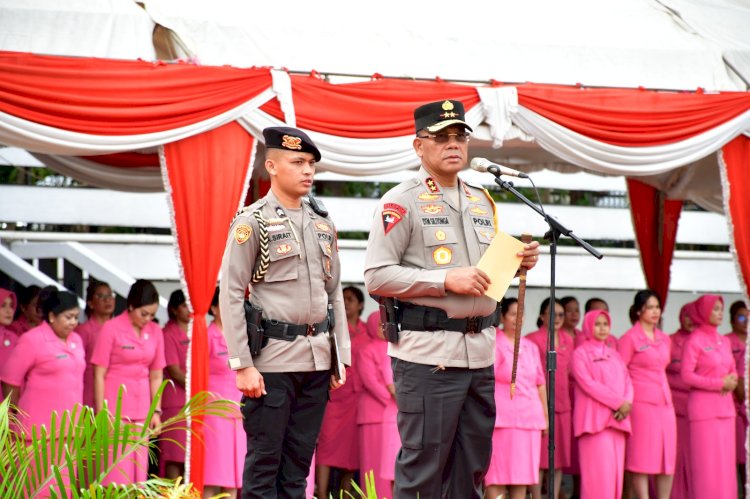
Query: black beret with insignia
{"points": [[289, 139], [435, 116]]}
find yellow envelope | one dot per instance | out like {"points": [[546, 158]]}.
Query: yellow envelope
{"points": [[501, 263]]}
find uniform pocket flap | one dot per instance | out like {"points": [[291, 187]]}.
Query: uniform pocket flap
{"points": [[281, 250], [410, 404], [274, 398], [434, 236]]}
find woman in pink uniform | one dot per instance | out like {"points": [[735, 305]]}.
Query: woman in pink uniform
{"points": [[680, 392], [224, 437], [100, 305], [652, 445], [8, 338], [709, 369], [604, 397], [338, 442], [372, 365], [27, 314], [563, 414], [176, 344], [519, 423], [130, 353], [48, 361], [738, 340], [572, 316]]}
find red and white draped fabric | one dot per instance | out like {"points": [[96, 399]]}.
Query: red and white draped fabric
{"points": [[137, 125]]}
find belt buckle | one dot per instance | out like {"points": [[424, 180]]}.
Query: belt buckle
{"points": [[472, 325], [310, 330]]}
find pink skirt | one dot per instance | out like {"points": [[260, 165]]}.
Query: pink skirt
{"points": [[652, 445], [713, 471], [602, 464], [172, 442], [226, 446], [563, 441], [370, 457], [391, 448], [681, 482], [338, 443], [515, 457]]}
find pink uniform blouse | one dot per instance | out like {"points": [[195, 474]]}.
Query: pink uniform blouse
{"points": [[128, 359], [8, 340], [348, 393], [20, 326], [738, 352], [562, 374], [707, 358], [647, 362], [176, 344], [525, 409], [680, 389], [51, 372], [221, 379], [602, 385], [372, 365], [88, 331]]}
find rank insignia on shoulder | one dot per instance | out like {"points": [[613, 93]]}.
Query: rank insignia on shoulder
{"points": [[283, 249], [442, 255], [431, 209], [242, 233], [426, 196], [392, 214], [478, 211], [431, 185]]}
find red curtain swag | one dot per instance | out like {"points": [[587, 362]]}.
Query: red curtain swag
{"points": [[207, 175], [655, 220], [737, 161]]}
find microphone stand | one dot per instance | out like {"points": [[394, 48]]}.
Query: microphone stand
{"points": [[556, 229]]}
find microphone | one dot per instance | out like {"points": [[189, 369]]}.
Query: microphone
{"points": [[485, 165]]}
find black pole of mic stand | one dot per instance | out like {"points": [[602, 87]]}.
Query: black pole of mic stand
{"points": [[553, 234]]}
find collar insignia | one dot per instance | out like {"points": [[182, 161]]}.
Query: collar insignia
{"points": [[431, 185]]}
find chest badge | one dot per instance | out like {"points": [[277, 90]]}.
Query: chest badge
{"points": [[432, 209], [283, 249], [440, 235], [478, 211], [488, 235], [442, 255], [426, 196], [323, 227], [328, 249], [242, 233]]}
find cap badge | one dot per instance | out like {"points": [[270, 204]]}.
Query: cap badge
{"points": [[291, 142], [442, 255], [447, 106], [242, 233]]}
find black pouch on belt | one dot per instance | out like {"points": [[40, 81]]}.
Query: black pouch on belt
{"points": [[253, 318]]}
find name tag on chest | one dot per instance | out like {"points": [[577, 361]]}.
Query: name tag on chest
{"points": [[127, 347]]}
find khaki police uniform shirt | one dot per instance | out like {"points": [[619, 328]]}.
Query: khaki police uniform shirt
{"points": [[302, 278], [417, 236]]}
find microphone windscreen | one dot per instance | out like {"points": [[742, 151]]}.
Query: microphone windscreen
{"points": [[480, 164]]}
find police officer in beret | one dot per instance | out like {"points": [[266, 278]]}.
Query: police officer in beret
{"points": [[283, 248], [427, 237]]}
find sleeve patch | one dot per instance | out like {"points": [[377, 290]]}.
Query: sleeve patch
{"points": [[242, 233], [392, 214]]}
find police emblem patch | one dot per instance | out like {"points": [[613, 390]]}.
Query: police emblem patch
{"points": [[392, 214], [242, 233], [442, 255], [283, 249], [291, 142]]}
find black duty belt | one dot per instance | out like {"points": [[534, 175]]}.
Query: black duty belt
{"points": [[420, 318], [289, 332]]}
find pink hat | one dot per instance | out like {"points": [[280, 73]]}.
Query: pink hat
{"points": [[588, 323], [4, 293], [703, 307]]}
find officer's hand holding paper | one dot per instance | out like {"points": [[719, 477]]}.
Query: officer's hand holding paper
{"points": [[501, 262]]}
